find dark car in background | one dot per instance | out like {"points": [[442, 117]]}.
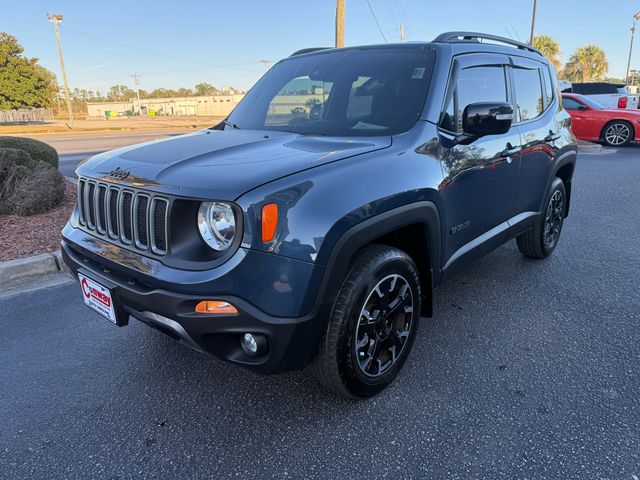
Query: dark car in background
{"points": [[279, 239]]}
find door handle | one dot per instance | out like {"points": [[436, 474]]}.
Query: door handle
{"points": [[552, 137], [510, 151]]}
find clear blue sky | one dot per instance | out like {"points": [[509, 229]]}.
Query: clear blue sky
{"points": [[183, 43]]}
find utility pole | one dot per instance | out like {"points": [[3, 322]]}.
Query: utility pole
{"points": [[56, 18], [266, 63], [533, 22], [339, 23], [136, 79], [402, 36], [636, 17]]}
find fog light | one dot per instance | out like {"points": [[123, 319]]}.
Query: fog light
{"points": [[254, 345], [215, 307]]}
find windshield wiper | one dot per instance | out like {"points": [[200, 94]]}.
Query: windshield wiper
{"points": [[231, 125]]}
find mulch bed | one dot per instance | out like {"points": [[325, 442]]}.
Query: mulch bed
{"points": [[26, 236]]}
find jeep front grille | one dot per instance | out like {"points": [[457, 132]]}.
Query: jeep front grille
{"points": [[124, 215]]}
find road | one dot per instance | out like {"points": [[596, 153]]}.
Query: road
{"points": [[529, 369], [73, 149]]}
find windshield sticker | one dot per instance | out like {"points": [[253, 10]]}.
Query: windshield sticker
{"points": [[418, 73]]}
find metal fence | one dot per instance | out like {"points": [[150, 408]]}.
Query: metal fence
{"points": [[26, 115]]}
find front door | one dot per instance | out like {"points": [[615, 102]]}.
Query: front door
{"points": [[581, 118], [479, 188]]}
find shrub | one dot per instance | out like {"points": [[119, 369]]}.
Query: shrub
{"points": [[38, 150], [27, 186]]}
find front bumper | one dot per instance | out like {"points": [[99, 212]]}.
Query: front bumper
{"points": [[292, 342]]}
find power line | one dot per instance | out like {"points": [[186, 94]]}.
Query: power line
{"points": [[153, 52], [376, 20], [393, 15], [404, 16]]}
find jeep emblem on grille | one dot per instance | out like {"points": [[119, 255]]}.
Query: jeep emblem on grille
{"points": [[119, 174]]}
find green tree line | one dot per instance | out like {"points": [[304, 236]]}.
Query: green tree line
{"points": [[123, 93]]}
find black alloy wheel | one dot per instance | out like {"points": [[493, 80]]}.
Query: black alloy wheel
{"points": [[553, 220], [384, 325], [373, 323]]}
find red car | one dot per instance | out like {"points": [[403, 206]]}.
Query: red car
{"points": [[591, 121]]}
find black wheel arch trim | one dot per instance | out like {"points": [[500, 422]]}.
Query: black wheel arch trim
{"points": [[568, 157], [367, 231]]}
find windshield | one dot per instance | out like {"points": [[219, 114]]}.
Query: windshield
{"points": [[377, 91], [592, 103]]}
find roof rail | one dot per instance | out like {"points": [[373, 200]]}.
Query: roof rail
{"points": [[308, 50], [475, 37]]}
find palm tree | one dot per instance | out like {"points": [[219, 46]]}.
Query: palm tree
{"points": [[589, 63], [549, 47]]}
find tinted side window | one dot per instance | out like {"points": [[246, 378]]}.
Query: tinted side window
{"points": [[571, 104], [548, 86], [528, 93], [473, 85]]}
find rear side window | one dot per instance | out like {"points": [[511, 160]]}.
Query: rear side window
{"points": [[473, 85], [548, 86], [528, 89]]}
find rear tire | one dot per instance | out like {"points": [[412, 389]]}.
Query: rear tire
{"points": [[375, 315], [543, 238], [617, 133]]}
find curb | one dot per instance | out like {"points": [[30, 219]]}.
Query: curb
{"points": [[15, 274]]}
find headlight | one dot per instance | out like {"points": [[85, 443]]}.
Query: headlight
{"points": [[217, 224]]}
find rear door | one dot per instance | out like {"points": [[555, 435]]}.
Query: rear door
{"points": [[480, 178], [536, 106]]}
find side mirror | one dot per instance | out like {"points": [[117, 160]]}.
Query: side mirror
{"points": [[486, 118]]}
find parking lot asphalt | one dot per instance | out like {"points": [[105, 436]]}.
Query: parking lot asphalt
{"points": [[529, 369]]}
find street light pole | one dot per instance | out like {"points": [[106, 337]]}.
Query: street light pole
{"points": [[136, 79], [533, 22], [636, 17], [57, 19]]}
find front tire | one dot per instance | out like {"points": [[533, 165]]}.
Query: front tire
{"points": [[373, 323], [617, 133], [543, 238]]}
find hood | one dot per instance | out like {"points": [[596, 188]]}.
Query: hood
{"points": [[222, 164]]}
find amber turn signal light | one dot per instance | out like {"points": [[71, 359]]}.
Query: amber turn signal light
{"points": [[215, 307], [269, 221]]}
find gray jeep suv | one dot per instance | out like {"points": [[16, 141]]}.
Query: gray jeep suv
{"points": [[312, 225]]}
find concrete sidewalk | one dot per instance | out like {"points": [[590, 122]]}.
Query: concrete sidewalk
{"points": [[32, 273]]}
